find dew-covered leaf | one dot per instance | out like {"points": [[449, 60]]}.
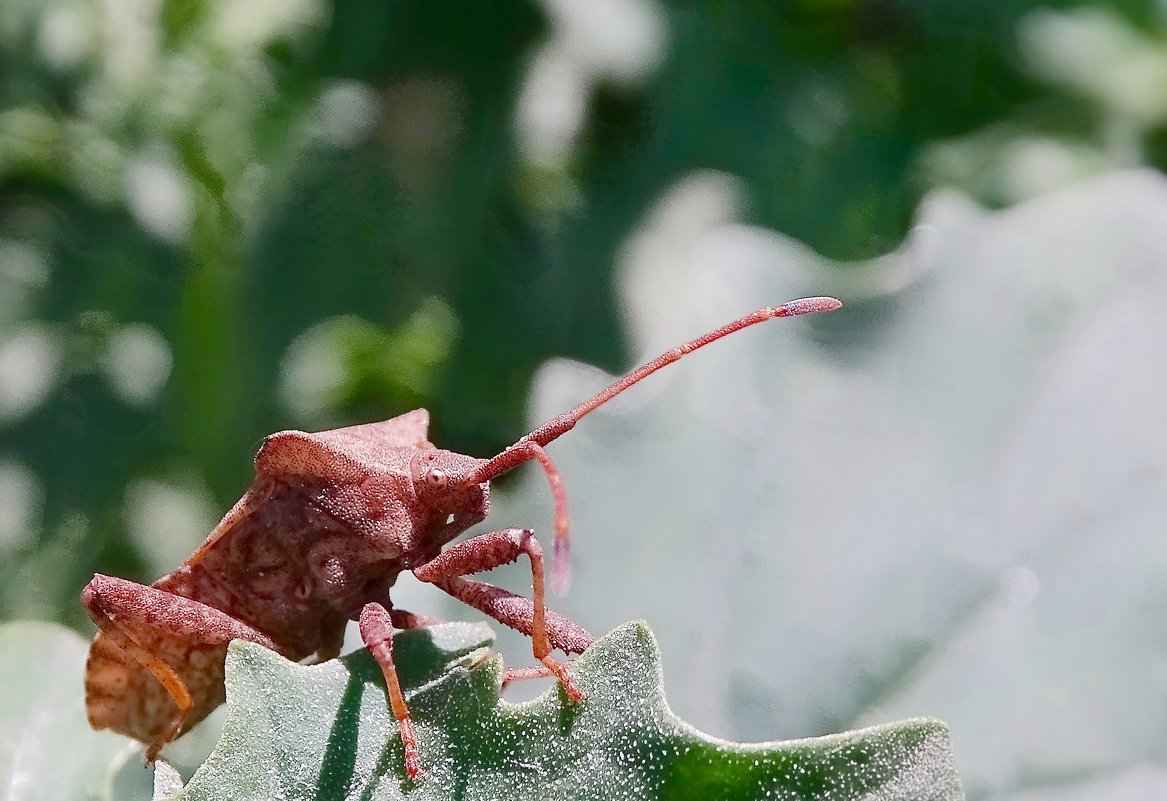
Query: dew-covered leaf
{"points": [[325, 732]]}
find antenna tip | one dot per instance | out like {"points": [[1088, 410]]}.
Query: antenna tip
{"points": [[561, 568], [810, 306]]}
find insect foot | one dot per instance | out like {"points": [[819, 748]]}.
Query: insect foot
{"points": [[329, 524]]}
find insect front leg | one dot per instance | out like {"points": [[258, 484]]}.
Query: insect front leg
{"points": [[491, 550], [157, 663]]}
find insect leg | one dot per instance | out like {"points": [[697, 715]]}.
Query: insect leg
{"points": [[534, 672], [403, 619], [517, 612], [164, 673], [377, 633], [524, 451], [488, 551], [152, 628]]}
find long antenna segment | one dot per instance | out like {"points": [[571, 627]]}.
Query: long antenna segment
{"points": [[530, 446]]}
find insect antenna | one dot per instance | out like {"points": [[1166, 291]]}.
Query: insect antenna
{"points": [[530, 446]]}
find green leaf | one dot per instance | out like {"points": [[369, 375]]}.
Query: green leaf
{"points": [[47, 750], [325, 732], [945, 499], [167, 781]]}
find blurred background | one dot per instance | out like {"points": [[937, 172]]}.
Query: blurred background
{"points": [[224, 218]]}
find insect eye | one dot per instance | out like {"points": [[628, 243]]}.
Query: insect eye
{"points": [[436, 479]]}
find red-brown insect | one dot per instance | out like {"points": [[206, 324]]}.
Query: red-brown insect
{"points": [[319, 539]]}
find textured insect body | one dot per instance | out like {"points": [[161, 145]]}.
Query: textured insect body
{"points": [[330, 522], [319, 539]]}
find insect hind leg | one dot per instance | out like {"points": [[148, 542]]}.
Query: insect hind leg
{"points": [[106, 674], [156, 665]]}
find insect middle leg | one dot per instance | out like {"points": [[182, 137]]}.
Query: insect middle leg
{"points": [[491, 550], [376, 625]]}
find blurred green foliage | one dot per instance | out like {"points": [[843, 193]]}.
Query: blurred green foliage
{"points": [[220, 219]]}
